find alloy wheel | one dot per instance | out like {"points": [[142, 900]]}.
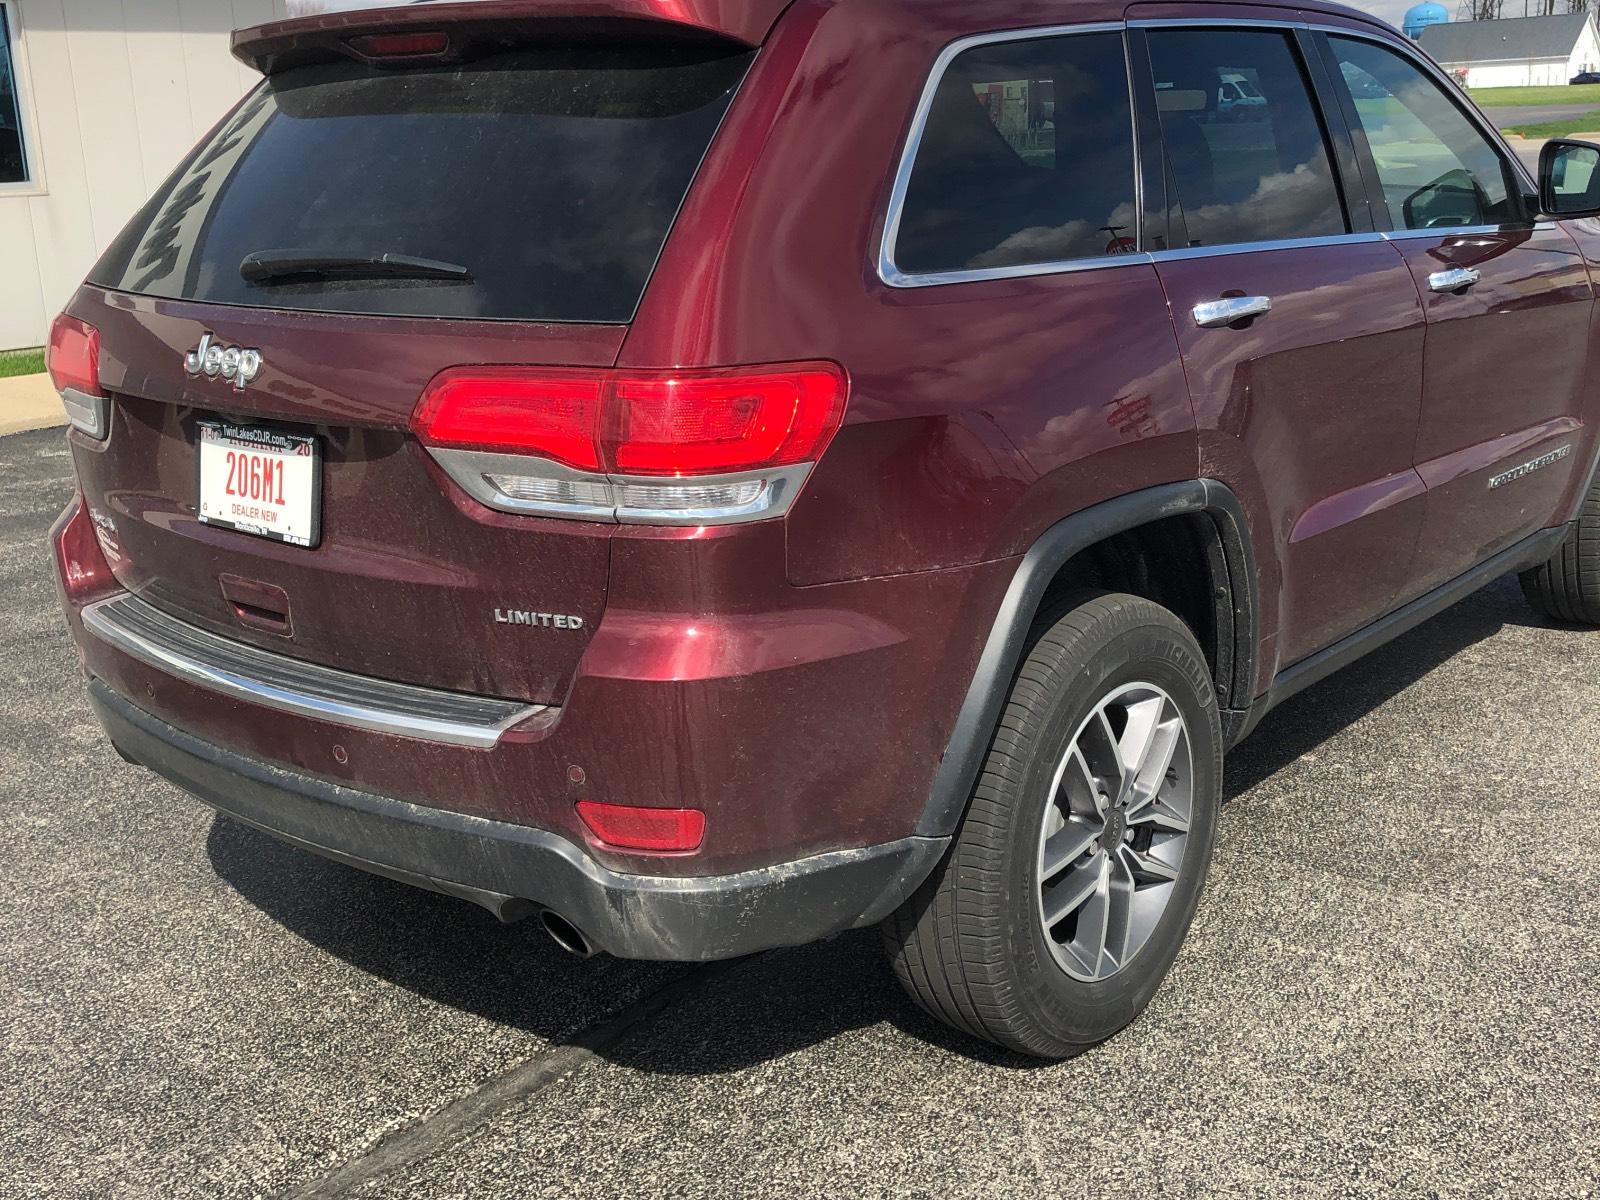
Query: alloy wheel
{"points": [[1115, 827]]}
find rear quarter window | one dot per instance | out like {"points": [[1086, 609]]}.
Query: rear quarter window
{"points": [[551, 176], [1025, 158]]}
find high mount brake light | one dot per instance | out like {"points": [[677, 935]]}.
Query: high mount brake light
{"points": [[74, 364], [670, 447], [400, 45]]}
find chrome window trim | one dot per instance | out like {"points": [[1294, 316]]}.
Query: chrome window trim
{"points": [[895, 278], [1215, 22], [1332, 239], [1439, 231], [223, 665], [888, 272]]}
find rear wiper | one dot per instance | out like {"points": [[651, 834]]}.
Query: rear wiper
{"points": [[280, 266]]}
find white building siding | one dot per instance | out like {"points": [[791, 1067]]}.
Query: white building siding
{"points": [[1518, 74], [113, 92]]}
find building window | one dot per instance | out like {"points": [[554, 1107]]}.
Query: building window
{"points": [[13, 154]]}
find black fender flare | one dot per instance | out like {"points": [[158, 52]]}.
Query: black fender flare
{"points": [[1234, 591]]}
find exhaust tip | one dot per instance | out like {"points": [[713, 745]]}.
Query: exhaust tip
{"points": [[565, 934]]}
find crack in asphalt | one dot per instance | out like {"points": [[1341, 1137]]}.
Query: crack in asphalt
{"points": [[433, 1133]]}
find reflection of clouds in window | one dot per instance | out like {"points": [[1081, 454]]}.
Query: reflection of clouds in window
{"points": [[1075, 239], [1297, 203]]}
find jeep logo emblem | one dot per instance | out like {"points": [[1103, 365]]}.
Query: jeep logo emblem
{"points": [[230, 362]]}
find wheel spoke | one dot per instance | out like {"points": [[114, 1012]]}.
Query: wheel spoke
{"points": [[1146, 868], [1098, 746], [1152, 770], [1088, 944], [1119, 914], [1066, 845], [1076, 889], [1160, 815], [1138, 740], [1077, 790]]}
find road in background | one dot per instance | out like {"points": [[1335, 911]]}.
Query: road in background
{"points": [[1391, 987], [1538, 114]]}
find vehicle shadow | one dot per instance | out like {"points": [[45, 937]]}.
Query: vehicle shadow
{"points": [[768, 1005]]}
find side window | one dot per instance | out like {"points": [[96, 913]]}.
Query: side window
{"points": [[1026, 158], [1245, 147], [13, 161], [1436, 168]]}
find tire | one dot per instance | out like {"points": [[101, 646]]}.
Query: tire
{"points": [[971, 946], [1567, 587]]}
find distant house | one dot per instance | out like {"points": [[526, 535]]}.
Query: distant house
{"points": [[1517, 51]]}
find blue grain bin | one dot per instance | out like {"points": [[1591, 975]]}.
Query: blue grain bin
{"points": [[1420, 16]]}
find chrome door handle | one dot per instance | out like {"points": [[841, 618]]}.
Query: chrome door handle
{"points": [[1453, 280], [1212, 314]]}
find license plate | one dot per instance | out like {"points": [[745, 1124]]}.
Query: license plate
{"points": [[261, 482]]}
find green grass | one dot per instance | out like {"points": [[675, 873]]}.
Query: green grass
{"points": [[1510, 97], [21, 362], [1588, 122]]}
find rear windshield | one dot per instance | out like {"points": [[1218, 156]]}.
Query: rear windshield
{"points": [[535, 185]]}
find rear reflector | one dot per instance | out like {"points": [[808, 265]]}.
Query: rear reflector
{"points": [[673, 447], [627, 827], [74, 364], [82, 571]]}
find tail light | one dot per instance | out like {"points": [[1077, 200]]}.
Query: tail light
{"points": [[655, 830], [666, 447], [74, 364]]}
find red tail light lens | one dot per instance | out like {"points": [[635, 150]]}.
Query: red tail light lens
{"points": [[668, 423], [74, 357], [713, 423], [554, 414], [659, 830]]}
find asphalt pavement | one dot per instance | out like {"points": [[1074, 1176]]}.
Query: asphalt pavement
{"points": [[1390, 990]]}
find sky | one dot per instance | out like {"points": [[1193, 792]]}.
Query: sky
{"points": [[1392, 10]]}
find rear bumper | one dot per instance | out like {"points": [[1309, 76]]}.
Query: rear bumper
{"points": [[515, 869]]}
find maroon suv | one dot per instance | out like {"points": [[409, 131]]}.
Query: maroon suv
{"points": [[709, 475]]}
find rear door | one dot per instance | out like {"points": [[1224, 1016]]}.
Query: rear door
{"points": [[1507, 302], [511, 207], [1309, 407]]}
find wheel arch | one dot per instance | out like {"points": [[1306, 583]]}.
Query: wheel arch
{"points": [[1223, 539]]}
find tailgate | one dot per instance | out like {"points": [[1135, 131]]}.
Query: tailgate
{"points": [[354, 228], [409, 571]]}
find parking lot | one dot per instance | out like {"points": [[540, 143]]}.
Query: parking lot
{"points": [[1391, 988]]}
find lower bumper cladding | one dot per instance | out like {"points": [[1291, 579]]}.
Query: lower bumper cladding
{"points": [[515, 870]]}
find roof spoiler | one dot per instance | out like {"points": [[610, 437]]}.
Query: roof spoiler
{"points": [[477, 23]]}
